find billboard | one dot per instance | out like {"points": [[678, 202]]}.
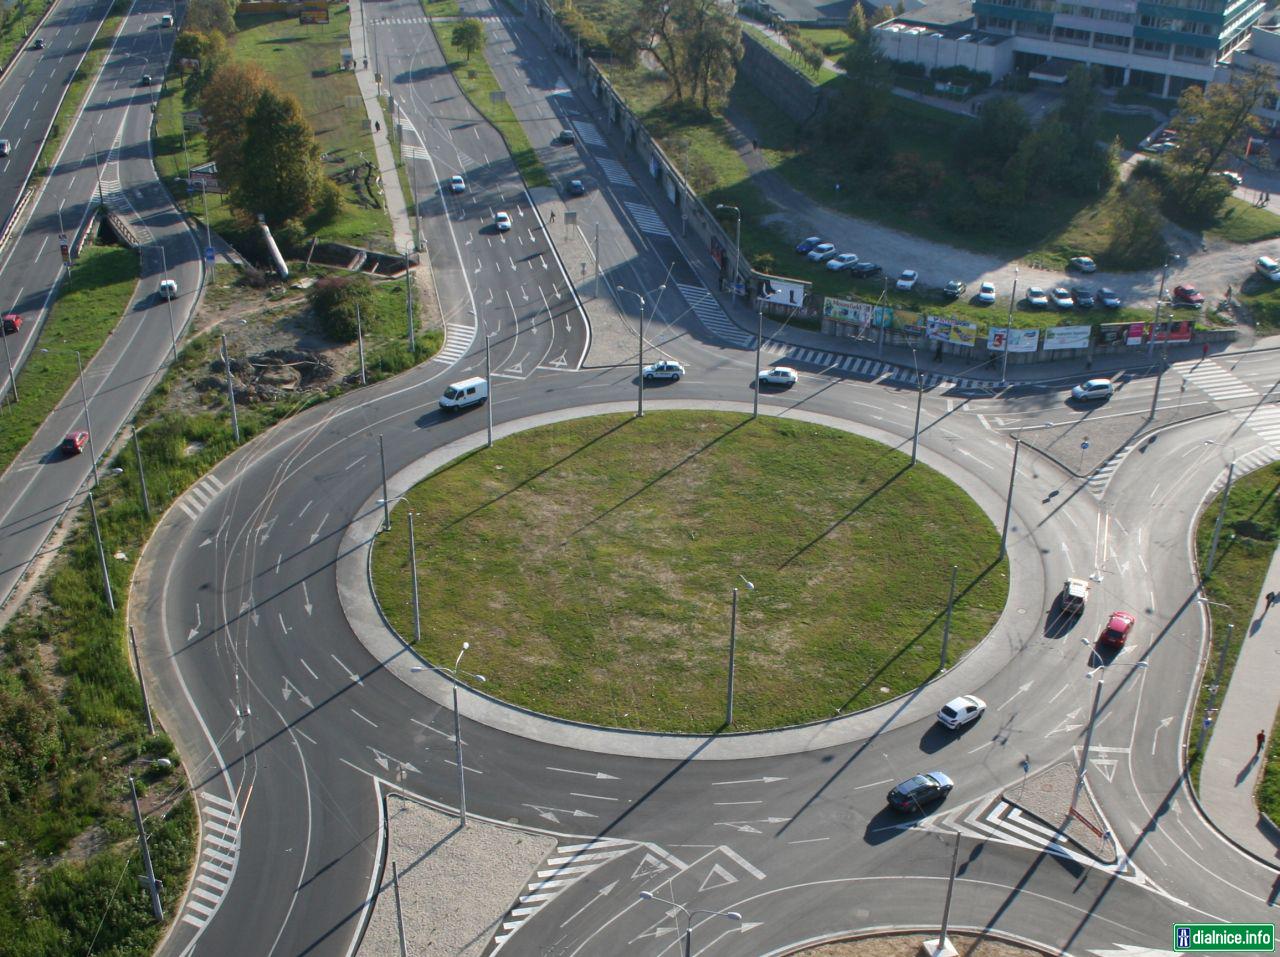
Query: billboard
{"points": [[951, 330], [313, 13], [1067, 337], [860, 313], [783, 292], [1020, 340], [1179, 331]]}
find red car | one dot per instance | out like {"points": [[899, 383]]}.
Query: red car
{"points": [[1117, 630], [74, 443], [12, 322], [1188, 296]]}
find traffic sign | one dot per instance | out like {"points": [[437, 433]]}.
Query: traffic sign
{"points": [[1084, 444], [208, 254]]}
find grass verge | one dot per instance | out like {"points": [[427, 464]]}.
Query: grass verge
{"points": [[441, 8], [1245, 548], [14, 35], [89, 305], [1244, 223], [477, 81], [1262, 299], [600, 554]]}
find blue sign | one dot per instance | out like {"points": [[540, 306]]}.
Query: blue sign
{"points": [[208, 254], [1084, 444]]}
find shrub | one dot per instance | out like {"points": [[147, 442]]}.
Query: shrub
{"points": [[976, 79], [335, 302], [290, 236]]}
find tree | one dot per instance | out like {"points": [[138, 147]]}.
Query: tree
{"points": [[336, 300], [856, 25], [1211, 121], [856, 117], [698, 44], [227, 100], [280, 175], [809, 54], [1137, 234], [209, 49], [204, 16], [468, 36], [1002, 126]]}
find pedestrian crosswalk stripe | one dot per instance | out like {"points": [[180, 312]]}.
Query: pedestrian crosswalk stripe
{"points": [[706, 308], [1212, 379], [647, 219], [200, 496], [588, 133], [615, 172], [457, 342], [1264, 420]]}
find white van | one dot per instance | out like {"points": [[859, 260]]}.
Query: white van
{"points": [[465, 393], [168, 289], [1268, 267], [166, 21]]}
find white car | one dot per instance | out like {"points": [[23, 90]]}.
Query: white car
{"points": [[1232, 177], [1037, 298], [822, 252], [958, 712], [168, 289], [664, 369], [986, 293], [1062, 298], [907, 280], [843, 261], [1093, 390], [1082, 264], [779, 375], [502, 222], [1268, 267], [457, 184]]}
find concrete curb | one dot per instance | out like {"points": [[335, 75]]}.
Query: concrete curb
{"points": [[874, 933]]}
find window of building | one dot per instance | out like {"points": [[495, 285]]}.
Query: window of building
{"points": [[1116, 15], [1150, 48], [1107, 40], [1184, 52], [1067, 35]]}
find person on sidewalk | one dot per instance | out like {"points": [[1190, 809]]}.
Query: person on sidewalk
{"points": [[1271, 600], [1262, 739], [553, 215]]}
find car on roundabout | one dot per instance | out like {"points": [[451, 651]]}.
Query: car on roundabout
{"points": [[664, 369], [779, 375], [1074, 595], [915, 792], [457, 184], [960, 711], [1093, 390], [1117, 629], [1037, 298]]}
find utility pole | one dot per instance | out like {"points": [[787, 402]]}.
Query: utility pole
{"points": [[360, 343], [88, 425], [102, 556], [408, 304], [1088, 740], [1008, 502], [1217, 525], [595, 289], [942, 945], [1151, 340], [733, 645], [1008, 330], [946, 629], [915, 435], [231, 393], [8, 359], [142, 476], [755, 400], [413, 568], [137, 664], [386, 503], [173, 334], [488, 378], [149, 879], [1159, 375]]}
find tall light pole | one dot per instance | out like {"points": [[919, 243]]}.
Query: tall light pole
{"points": [[488, 378], [915, 435], [1008, 328], [8, 361], [737, 245], [640, 352], [733, 646], [755, 399], [688, 917], [173, 335], [1217, 525], [1088, 740], [457, 733], [1151, 341], [88, 426], [1008, 500], [386, 502]]}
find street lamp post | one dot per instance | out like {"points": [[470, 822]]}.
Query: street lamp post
{"points": [[88, 426], [173, 335], [457, 734], [688, 917], [386, 502], [8, 360], [1151, 341], [488, 378], [1008, 501], [733, 645], [1217, 525], [737, 245], [915, 435], [1008, 327], [1088, 739], [755, 399], [640, 352]]}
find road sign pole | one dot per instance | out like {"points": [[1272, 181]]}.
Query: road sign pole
{"points": [[413, 570], [946, 633], [142, 476], [1084, 755], [386, 503], [1008, 502], [733, 643]]}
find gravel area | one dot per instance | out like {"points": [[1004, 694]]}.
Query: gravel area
{"points": [[908, 945], [1048, 795], [456, 885]]}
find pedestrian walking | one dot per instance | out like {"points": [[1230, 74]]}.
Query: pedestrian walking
{"points": [[553, 215], [1204, 349], [1271, 600], [377, 126], [366, 63], [1262, 739], [1228, 293]]}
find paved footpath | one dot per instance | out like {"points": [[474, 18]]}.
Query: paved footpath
{"points": [[1232, 769]]}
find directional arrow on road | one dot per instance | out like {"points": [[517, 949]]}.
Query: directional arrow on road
{"points": [[349, 673], [207, 541], [602, 892], [598, 775], [385, 761], [306, 600], [291, 689], [1066, 724], [1021, 690], [745, 827], [549, 813], [764, 780], [1164, 723]]}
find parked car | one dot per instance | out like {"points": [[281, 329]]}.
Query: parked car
{"points": [[11, 323], [843, 261], [1116, 632], [566, 137], [865, 270], [779, 375], [822, 252], [1109, 298], [954, 289], [1082, 297], [501, 221], [1232, 177], [913, 793], [74, 443], [1037, 298], [1164, 146], [457, 184], [807, 244], [986, 293], [1082, 264], [1075, 594], [1188, 296], [960, 711], [907, 280], [664, 369], [1093, 390], [1268, 267], [1061, 298], [576, 188]]}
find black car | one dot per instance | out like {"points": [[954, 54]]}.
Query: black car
{"points": [[954, 289], [1083, 297], [865, 270], [576, 188], [914, 793]]}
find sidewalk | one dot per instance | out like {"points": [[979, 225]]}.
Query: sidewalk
{"points": [[388, 178], [1231, 770]]}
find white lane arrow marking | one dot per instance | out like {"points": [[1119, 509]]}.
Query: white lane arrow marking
{"points": [[291, 689], [598, 775], [305, 507], [264, 531], [764, 780], [316, 533], [306, 600], [602, 892], [196, 630], [1021, 690], [385, 761], [1128, 950], [745, 826], [657, 931], [349, 673], [1164, 723], [207, 541], [549, 813]]}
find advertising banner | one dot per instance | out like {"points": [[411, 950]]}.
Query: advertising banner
{"points": [[1020, 340], [951, 330], [1112, 333], [861, 313], [1067, 337], [314, 13], [783, 292], [1179, 331], [1135, 334]]}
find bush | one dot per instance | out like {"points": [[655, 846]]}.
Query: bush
{"points": [[977, 80], [290, 236], [335, 302], [764, 262], [904, 68]]}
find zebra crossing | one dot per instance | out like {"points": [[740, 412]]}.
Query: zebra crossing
{"points": [[457, 342], [219, 853], [589, 133], [1213, 380], [200, 496], [569, 864], [870, 368], [706, 308], [647, 219], [1100, 477], [1264, 420], [615, 172]]}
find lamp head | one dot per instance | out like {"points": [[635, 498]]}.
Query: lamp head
{"points": [[732, 915], [466, 645], [646, 896]]}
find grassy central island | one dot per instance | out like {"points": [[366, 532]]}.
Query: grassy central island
{"points": [[591, 565]]}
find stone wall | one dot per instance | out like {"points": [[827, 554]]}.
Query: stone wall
{"points": [[795, 94]]}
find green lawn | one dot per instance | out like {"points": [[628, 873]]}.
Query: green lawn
{"points": [[1239, 576], [1262, 298], [834, 42], [590, 564], [303, 60], [783, 52], [477, 81], [21, 19], [88, 308], [1242, 222], [441, 8]]}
